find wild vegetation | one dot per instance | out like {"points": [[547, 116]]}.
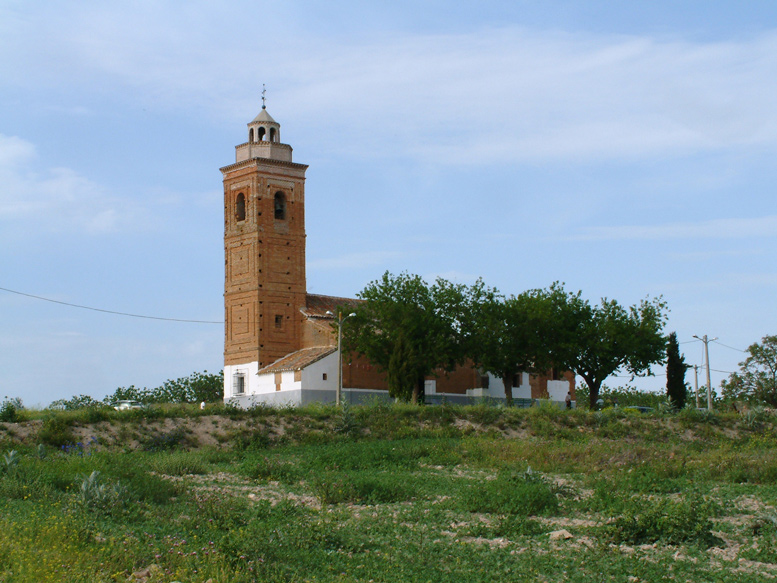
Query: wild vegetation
{"points": [[411, 329], [388, 493]]}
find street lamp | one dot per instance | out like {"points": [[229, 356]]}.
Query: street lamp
{"points": [[340, 320]]}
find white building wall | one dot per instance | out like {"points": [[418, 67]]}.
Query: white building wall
{"points": [[496, 388], [313, 375], [248, 371], [557, 390]]}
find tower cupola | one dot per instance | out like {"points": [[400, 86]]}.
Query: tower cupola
{"points": [[264, 140]]}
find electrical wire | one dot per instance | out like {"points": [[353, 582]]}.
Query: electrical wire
{"points": [[108, 311], [731, 347]]}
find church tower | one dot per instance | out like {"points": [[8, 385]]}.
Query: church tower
{"points": [[264, 252]]}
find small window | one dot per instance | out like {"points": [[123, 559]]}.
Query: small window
{"points": [[279, 321], [240, 207], [280, 206], [272, 134], [239, 384], [260, 135], [324, 376]]}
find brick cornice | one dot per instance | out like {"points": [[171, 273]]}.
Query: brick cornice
{"points": [[262, 161]]}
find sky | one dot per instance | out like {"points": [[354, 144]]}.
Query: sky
{"points": [[625, 149]]}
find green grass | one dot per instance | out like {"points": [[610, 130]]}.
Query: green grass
{"points": [[389, 494]]}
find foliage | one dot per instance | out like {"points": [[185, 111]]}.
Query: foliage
{"points": [[508, 334], [670, 521], [57, 431], [594, 341], [9, 412], [522, 493], [75, 403], [676, 389], [417, 324], [195, 388], [622, 396], [95, 494], [463, 502], [756, 380]]}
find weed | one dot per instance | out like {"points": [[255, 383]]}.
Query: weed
{"points": [[179, 463], [519, 493], [8, 412], [166, 440], [56, 431], [673, 522]]}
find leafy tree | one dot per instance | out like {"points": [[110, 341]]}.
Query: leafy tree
{"points": [[402, 370], [419, 325], [76, 402], [675, 373], [198, 386], [757, 378], [508, 334], [594, 341]]}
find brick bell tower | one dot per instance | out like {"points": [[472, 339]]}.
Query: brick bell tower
{"points": [[264, 252]]}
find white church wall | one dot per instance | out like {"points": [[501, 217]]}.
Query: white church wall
{"points": [[557, 390], [322, 374]]}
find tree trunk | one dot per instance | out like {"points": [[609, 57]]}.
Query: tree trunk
{"points": [[418, 391], [507, 381], [593, 394]]}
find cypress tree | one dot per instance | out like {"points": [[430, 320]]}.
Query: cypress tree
{"points": [[675, 373]]}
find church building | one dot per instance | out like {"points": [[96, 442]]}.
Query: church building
{"points": [[280, 345]]}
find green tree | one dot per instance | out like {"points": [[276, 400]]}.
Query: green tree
{"points": [[408, 329], [508, 334], [595, 341], [756, 380], [675, 373]]}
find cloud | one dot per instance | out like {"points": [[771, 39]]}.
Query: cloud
{"points": [[492, 95], [713, 229], [58, 199]]}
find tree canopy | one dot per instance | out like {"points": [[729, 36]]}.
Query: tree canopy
{"points": [[508, 333], [408, 329], [756, 380], [595, 341], [675, 373]]}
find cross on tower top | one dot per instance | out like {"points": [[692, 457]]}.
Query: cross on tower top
{"points": [[264, 90]]}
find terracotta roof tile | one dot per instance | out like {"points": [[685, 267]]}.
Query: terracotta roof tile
{"points": [[299, 360], [317, 305]]}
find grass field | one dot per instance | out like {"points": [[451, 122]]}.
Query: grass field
{"points": [[388, 493]]}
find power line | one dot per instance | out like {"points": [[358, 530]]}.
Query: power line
{"points": [[108, 311], [731, 347]]}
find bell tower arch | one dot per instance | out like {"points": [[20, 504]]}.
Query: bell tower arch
{"points": [[264, 254]]}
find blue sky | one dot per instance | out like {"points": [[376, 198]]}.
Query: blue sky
{"points": [[626, 149]]}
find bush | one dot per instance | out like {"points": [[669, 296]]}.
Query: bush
{"points": [[372, 488], [179, 464], [673, 522], [56, 431], [519, 493], [9, 412]]}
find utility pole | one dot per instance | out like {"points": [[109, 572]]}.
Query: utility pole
{"points": [[340, 320], [707, 360], [696, 383]]}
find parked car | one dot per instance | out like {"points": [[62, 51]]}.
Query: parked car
{"points": [[126, 405]]}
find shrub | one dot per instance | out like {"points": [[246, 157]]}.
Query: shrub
{"points": [[9, 412], [520, 493], [179, 464], [165, 440], [360, 488], [56, 431], [673, 522]]}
